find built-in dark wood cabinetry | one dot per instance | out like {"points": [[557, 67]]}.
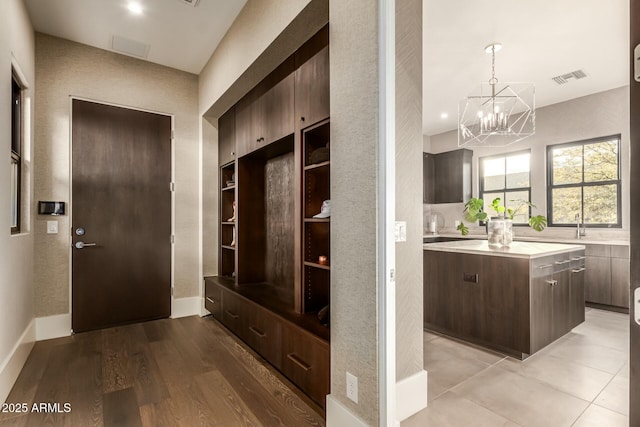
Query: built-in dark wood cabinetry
{"points": [[514, 305], [274, 260], [607, 281], [447, 176]]}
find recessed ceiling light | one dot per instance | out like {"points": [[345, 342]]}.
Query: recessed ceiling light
{"points": [[135, 7], [444, 115]]}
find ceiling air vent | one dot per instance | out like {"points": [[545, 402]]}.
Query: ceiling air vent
{"points": [[129, 47], [192, 3], [575, 75]]}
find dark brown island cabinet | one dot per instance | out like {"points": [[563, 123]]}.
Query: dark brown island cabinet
{"points": [[510, 301], [272, 287]]}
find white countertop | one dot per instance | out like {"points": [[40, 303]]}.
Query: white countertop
{"points": [[517, 250], [583, 241]]}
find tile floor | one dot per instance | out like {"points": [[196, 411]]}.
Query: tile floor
{"points": [[580, 380]]}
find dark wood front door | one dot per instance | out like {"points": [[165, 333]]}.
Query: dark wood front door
{"points": [[634, 141], [121, 172]]}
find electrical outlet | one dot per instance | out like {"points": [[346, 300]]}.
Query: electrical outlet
{"points": [[352, 387]]}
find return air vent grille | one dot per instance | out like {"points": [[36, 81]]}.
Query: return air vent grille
{"points": [[192, 3], [575, 75]]}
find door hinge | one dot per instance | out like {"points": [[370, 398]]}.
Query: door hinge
{"points": [[173, 238], [172, 186]]}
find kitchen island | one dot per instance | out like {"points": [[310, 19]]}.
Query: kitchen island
{"points": [[515, 300]]}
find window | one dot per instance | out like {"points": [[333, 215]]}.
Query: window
{"points": [[16, 159], [508, 177], [584, 178]]}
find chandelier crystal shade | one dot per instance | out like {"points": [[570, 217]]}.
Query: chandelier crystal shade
{"points": [[496, 114]]}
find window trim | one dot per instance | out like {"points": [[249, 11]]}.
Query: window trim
{"points": [[582, 184], [481, 190], [16, 137]]}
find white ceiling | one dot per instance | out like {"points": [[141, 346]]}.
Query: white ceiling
{"points": [[180, 36], [541, 39]]}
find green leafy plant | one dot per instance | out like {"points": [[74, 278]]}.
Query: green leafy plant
{"points": [[474, 211]]}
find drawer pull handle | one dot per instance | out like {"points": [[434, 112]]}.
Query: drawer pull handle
{"points": [[257, 332], [211, 300], [232, 314], [563, 262], [577, 258], [578, 270], [295, 359], [545, 266], [551, 282]]}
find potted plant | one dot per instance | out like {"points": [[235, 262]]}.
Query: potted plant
{"points": [[499, 227]]}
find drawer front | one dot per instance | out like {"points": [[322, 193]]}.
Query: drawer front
{"points": [[305, 361], [577, 259], [620, 251], [543, 266], [263, 332], [213, 300], [598, 250], [234, 313]]}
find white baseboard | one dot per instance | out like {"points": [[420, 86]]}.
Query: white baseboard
{"points": [[411, 395], [183, 307], [15, 360], [339, 415], [53, 326]]}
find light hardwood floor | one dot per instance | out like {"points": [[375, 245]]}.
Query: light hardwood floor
{"points": [[171, 372]]}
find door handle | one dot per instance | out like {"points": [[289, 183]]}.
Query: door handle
{"points": [[82, 245]]}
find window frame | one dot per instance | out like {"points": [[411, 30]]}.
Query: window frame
{"points": [[582, 183], [505, 190], [16, 144]]}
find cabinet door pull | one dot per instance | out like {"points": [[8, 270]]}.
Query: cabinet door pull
{"points": [[551, 282], [211, 300], [257, 332], [295, 359], [545, 266], [577, 258], [232, 314], [563, 261], [578, 270], [302, 119]]}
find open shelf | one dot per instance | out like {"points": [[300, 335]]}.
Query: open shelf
{"points": [[316, 265], [318, 220], [317, 165], [231, 248], [228, 223], [227, 229], [229, 188]]}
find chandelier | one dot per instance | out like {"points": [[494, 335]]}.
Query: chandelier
{"points": [[496, 114]]}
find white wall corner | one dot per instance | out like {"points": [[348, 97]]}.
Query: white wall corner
{"points": [[15, 360], [339, 415], [183, 307], [53, 326], [411, 395]]}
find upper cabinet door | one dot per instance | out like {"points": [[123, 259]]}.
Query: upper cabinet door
{"points": [[312, 81], [277, 111], [227, 137], [245, 126]]}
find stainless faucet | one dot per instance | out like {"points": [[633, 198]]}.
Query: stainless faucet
{"points": [[580, 232]]}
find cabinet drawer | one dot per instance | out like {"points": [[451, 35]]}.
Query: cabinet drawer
{"points": [[305, 361], [264, 334], [543, 266], [620, 251], [213, 302], [234, 313]]}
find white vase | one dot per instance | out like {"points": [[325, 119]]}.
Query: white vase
{"points": [[500, 232]]}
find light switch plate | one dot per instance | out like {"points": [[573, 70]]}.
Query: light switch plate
{"points": [[636, 305], [52, 227], [401, 231]]}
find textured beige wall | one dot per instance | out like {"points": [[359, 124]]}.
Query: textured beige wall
{"points": [[16, 252], [67, 69], [229, 74], [210, 213], [600, 114], [353, 33], [409, 283]]}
